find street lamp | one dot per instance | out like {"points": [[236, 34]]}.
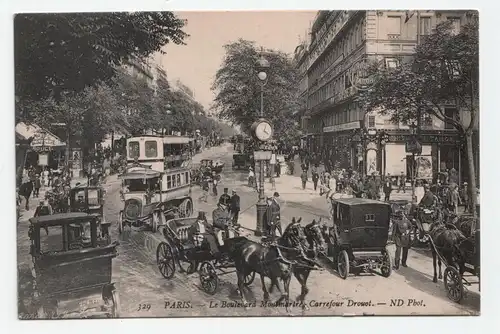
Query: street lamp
{"points": [[262, 67], [414, 147]]}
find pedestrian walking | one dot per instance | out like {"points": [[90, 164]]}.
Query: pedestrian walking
{"points": [[402, 183], [401, 235], [205, 188], [464, 194], [303, 178], [315, 178], [387, 189], [215, 182], [234, 207], [25, 191], [37, 185]]}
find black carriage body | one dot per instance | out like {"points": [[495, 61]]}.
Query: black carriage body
{"points": [[65, 266], [92, 200], [362, 224]]}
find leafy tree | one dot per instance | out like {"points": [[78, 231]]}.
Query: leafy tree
{"points": [[238, 88], [445, 69], [58, 52]]}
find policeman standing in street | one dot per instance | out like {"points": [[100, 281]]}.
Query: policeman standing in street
{"points": [[401, 229]]}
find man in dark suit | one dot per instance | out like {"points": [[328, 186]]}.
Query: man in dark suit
{"points": [[234, 207], [387, 188], [225, 199], [401, 235], [25, 191], [274, 215]]}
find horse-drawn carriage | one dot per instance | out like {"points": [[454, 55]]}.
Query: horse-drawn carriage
{"points": [[72, 266], [179, 249], [358, 238]]}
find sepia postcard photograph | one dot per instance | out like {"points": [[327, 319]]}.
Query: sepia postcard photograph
{"points": [[247, 163]]}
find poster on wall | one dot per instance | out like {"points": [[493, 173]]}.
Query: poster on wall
{"points": [[424, 167], [43, 159], [371, 162]]}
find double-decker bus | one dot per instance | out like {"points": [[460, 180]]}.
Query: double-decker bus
{"points": [[158, 175]]}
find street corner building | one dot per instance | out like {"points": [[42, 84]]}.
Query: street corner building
{"points": [[333, 66]]}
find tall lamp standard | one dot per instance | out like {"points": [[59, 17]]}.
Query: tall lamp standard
{"points": [[262, 67], [414, 147]]}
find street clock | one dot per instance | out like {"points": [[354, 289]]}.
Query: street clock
{"points": [[262, 130]]}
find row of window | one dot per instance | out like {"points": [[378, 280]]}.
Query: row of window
{"points": [[344, 46], [178, 180], [151, 149], [396, 26]]}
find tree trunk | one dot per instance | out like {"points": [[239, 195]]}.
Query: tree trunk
{"points": [[472, 173]]}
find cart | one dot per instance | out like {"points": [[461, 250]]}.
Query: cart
{"points": [[72, 267], [357, 240], [179, 249]]}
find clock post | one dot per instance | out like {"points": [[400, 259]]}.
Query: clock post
{"points": [[262, 132]]}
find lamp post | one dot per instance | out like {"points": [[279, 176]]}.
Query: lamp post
{"points": [[262, 67], [168, 112], [414, 147]]}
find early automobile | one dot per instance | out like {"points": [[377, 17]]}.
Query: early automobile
{"points": [[72, 267], [358, 238]]}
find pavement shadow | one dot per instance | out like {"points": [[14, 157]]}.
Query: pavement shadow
{"points": [[423, 282]]}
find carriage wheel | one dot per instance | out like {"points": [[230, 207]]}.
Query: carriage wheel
{"points": [[120, 222], [343, 264], [386, 268], [186, 208], [453, 284], [115, 304], [208, 278], [249, 279], [165, 260], [191, 267]]}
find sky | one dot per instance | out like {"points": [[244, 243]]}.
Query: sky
{"points": [[196, 63]]}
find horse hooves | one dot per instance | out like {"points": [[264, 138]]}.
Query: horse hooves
{"points": [[435, 280], [440, 277]]}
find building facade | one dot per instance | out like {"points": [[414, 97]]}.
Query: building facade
{"points": [[301, 63], [341, 42]]}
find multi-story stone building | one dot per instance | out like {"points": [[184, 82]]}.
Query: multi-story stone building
{"points": [[301, 63], [340, 42]]}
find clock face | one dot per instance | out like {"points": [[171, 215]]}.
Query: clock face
{"points": [[264, 131]]}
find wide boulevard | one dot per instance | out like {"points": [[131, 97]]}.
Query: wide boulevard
{"points": [[144, 291]]}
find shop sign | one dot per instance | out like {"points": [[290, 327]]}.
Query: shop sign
{"points": [[453, 138], [342, 127], [43, 139]]}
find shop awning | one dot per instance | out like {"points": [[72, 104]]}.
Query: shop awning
{"points": [[41, 136]]}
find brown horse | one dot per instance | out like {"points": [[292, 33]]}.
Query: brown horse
{"points": [[275, 261], [306, 263], [445, 239]]}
